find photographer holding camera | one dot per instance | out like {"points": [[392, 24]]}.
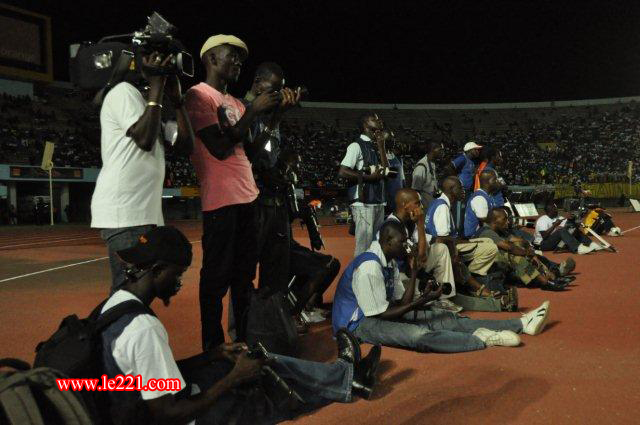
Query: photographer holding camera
{"points": [[424, 178], [372, 302], [225, 384], [127, 200], [274, 235], [228, 189], [363, 166]]}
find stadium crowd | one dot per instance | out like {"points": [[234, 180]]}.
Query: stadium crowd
{"points": [[593, 146]]}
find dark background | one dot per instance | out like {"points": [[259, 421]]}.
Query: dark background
{"points": [[397, 51]]}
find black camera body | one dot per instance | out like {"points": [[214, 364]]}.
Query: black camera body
{"points": [[158, 36], [94, 66]]}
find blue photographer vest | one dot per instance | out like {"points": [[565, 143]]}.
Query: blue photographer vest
{"points": [[498, 197], [471, 222], [345, 303], [430, 226], [373, 192]]}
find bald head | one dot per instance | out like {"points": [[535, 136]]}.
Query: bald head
{"points": [[488, 181], [496, 214], [452, 187], [450, 183], [406, 196]]}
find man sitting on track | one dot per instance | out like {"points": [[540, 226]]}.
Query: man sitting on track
{"points": [[432, 257], [550, 231], [373, 303], [138, 345], [514, 259]]}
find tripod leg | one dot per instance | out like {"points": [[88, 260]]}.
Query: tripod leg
{"points": [[604, 243]]}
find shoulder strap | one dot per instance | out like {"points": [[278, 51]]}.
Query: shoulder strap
{"points": [[116, 312], [67, 404], [17, 400]]}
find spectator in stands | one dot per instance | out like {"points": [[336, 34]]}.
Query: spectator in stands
{"points": [[551, 230], [366, 189], [516, 260], [480, 203], [373, 303], [425, 178], [127, 200], [227, 188], [138, 345]]}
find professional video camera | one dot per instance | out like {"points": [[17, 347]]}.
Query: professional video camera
{"points": [[94, 66]]}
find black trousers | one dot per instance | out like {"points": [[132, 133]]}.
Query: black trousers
{"points": [[571, 241], [274, 237], [229, 259], [314, 273]]}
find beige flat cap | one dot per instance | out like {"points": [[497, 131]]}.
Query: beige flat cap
{"points": [[220, 39]]}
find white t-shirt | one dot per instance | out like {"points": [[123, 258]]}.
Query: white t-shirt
{"points": [[369, 286], [480, 206], [143, 348], [353, 159], [544, 223], [442, 217], [129, 187]]}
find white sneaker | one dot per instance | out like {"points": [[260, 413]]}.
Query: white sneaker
{"points": [[497, 338], [615, 231], [534, 321], [584, 249], [596, 247]]}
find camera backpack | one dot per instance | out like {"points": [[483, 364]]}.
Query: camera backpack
{"points": [[75, 349], [270, 322]]}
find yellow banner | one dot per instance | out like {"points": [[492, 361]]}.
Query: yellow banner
{"points": [[600, 190]]}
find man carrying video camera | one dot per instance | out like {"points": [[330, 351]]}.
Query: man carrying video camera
{"points": [[127, 200], [274, 236]]}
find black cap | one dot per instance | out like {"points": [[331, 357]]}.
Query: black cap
{"points": [[164, 243]]}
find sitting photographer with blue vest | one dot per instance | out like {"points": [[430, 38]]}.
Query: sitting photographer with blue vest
{"points": [[432, 257], [373, 303], [480, 203], [222, 384], [365, 169], [479, 253]]}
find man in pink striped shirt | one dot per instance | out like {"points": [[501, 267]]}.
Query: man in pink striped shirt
{"points": [[227, 188]]}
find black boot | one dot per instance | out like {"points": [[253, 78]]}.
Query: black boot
{"points": [[348, 347], [364, 374]]}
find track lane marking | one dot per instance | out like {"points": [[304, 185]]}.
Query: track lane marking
{"points": [[63, 267]]}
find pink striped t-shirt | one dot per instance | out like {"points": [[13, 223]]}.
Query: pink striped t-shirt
{"points": [[226, 182]]}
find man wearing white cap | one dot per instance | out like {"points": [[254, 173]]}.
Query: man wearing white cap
{"points": [[465, 166], [227, 188]]}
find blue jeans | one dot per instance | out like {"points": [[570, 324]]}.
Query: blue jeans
{"points": [[117, 239], [425, 331], [317, 383]]}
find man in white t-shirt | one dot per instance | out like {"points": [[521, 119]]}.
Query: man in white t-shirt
{"points": [[366, 190], [127, 200], [550, 231], [138, 344]]}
